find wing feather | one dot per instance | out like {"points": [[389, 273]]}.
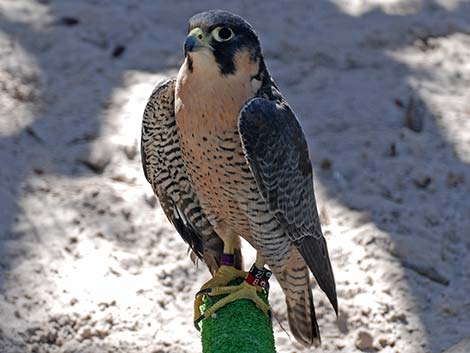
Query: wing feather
{"points": [[277, 152]]}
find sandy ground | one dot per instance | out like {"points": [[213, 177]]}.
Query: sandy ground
{"points": [[88, 263]]}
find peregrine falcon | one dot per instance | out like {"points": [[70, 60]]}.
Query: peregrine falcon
{"points": [[227, 158]]}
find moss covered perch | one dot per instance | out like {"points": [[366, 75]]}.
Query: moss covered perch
{"points": [[238, 327]]}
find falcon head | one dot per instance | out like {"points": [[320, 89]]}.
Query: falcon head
{"points": [[221, 36]]}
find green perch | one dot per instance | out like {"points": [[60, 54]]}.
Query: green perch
{"points": [[238, 327]]}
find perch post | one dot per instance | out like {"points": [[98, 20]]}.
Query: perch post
{"points": [[239, 327]]}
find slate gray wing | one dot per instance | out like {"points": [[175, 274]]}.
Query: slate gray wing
{"points": [[277, 152], [165, 171]]}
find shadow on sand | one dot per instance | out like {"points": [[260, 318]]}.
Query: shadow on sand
{"points": [[390, 188]]}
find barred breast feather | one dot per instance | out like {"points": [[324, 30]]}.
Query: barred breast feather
{"points": [[165, 171]]}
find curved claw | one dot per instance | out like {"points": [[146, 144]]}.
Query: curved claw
{"points": [[203, 291], [221, 278], [198, 320]]}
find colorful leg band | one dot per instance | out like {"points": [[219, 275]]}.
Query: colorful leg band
{"points": [[257, 277], [226, 260]]}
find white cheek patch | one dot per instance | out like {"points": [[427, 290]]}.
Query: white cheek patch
{"points": [[204, 63]]}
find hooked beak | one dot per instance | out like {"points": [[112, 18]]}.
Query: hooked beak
{"points": [[195, 41]]}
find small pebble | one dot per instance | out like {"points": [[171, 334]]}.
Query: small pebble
{"points": [[414, 115], [326, 164], [96, 163], [386, 341], [364, 341], [118, 51], [422, 182], [69, 21]]}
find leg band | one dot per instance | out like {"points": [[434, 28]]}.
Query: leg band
{"points": [[226, 260], [257, 277]]}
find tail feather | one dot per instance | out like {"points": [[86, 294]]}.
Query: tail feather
{"points": [[315, 253], [302, 319], [295, 282]]}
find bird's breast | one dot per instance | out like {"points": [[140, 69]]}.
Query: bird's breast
{"points": [[207, 110]]}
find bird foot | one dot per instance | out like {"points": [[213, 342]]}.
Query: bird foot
{"points": [[218, 286], [223, 276]]}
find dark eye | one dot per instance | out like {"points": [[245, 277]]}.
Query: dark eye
{"points": [[222, 34]]}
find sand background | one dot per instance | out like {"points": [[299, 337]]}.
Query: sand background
{"points": [[88, 262]]}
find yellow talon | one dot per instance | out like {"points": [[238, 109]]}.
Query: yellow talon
{"points": [[241, 291], [223, 276]]}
